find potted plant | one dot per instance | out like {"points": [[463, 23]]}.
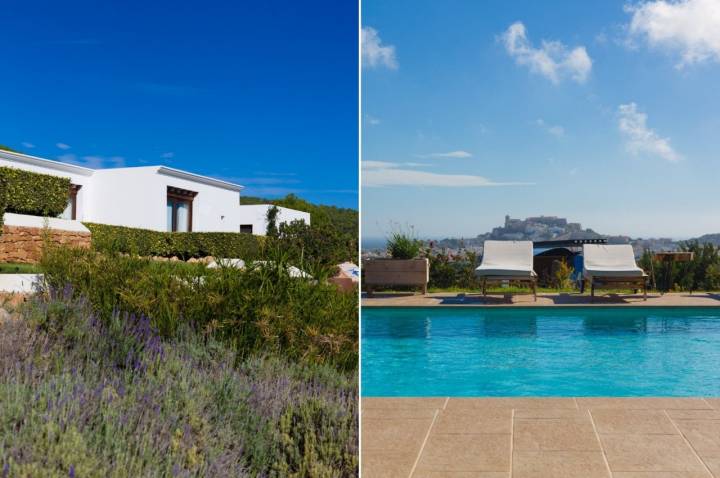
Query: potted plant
{"points": [[403, 267]]}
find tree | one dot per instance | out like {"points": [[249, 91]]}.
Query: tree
{"points": [[271, 218]]}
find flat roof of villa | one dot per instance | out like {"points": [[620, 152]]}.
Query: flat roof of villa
{"points": [[82, 170]]}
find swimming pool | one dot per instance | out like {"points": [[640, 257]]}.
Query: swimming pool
{"points": [[591, 351]]}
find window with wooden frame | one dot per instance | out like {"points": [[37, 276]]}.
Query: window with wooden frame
{"points": [[179, 209], [70, 211]]}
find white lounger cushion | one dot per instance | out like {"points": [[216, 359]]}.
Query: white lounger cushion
{"points": [[602, 260], [507, 258]]}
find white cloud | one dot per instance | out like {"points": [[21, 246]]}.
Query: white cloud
{"points": [[374, 53], [93, 162], [450, 154], [552, 60], [168, 155], [555, 130], [690, 27], [639, 139], [62, 146], [389, 165], [371, 120], [28, 145], [380, 174]]}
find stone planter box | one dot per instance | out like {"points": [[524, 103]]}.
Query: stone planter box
{"points": [[393, 272]]}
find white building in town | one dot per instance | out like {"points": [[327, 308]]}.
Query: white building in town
{"points": [[154, 197]]}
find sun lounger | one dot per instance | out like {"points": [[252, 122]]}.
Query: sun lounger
{"points": [[507, 261], [612, 266]]}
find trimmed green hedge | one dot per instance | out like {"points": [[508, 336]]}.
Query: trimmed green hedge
{"points": [[33, 193], [184, 245]]}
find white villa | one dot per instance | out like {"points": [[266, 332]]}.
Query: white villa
{"points": [[154, 197]]}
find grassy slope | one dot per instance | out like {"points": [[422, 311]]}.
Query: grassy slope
{"points": [[10, 268]]}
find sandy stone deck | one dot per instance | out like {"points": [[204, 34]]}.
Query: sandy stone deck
{"points": [[541, 437], [684, 299]]}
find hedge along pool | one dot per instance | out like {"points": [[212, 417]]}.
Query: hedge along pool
{"points": [[591, 351]]}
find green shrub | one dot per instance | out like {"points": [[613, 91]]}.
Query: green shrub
{"points": [[313, 440], [403, 246], [33, 193], [144, 242], [316, 244], [338, 225], [257, 309], [561, 275]]}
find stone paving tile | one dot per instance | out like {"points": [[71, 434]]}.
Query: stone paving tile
{"points": [[694, 414], [510, 402], [651, 453], [460, 474], [563, 434], [404, 435], [644, 403], [398, 413], [714, 402], [453, 299], [407, 403], [387, 464], [551, 413], [661, 474], [466, 421], [703, 435], [468, 453], [611, 420], [550, 437], [712, 461], [559, 464]]}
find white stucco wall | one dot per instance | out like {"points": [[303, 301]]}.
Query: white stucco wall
{"points": [[256, 215], [137, 197]]}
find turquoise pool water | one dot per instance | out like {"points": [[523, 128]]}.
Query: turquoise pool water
{"points": [[541, 352]]}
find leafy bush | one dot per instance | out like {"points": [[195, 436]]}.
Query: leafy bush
{"points": [[448, 271], [339, 226], [33, 193], [401, 245], [702, 273], [314, 244], [182, 407], [561, 274], [184, 245], [259, 309]]}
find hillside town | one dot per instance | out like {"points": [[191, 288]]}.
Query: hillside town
{"points": [[548, 228]]}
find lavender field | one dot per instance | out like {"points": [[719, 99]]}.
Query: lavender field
{"points": [[85, 396]]}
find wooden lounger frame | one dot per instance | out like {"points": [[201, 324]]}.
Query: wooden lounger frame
{"points": [[637, 282], [531, 281]]}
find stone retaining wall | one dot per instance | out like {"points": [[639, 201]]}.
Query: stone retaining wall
{"points": [[24, 244]]}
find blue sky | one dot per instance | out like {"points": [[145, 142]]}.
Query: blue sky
{"points": [[604, 112], [260, 93]]}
